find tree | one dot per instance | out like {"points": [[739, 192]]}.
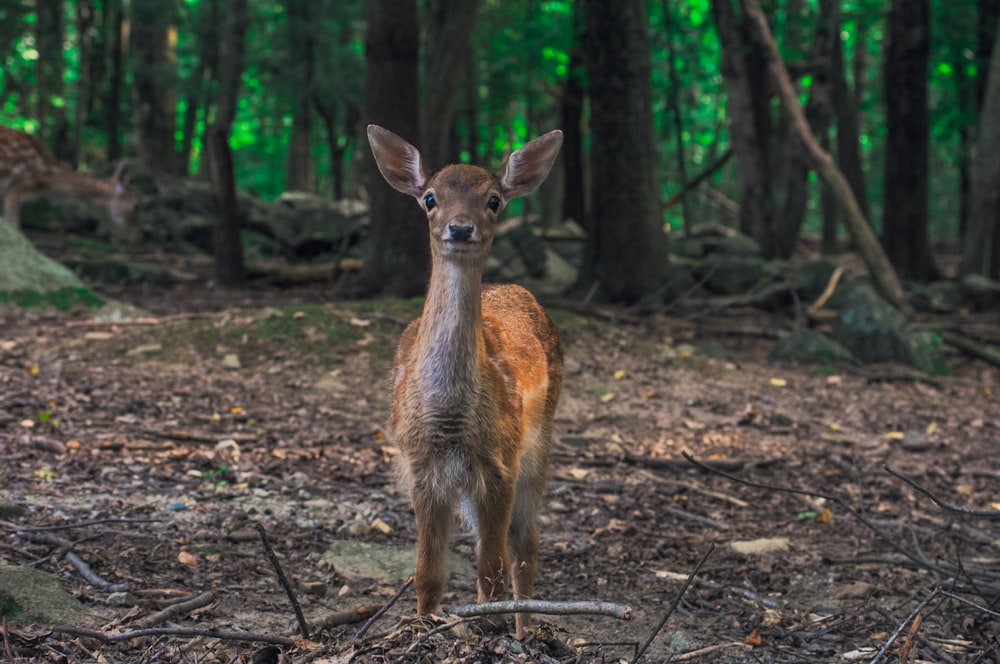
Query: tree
{"points": [[399, 250], [571, 121], [904, 222], [981, 250], [49, 36], [627, 250], [448, 45], [303, 37], [154, 99]]}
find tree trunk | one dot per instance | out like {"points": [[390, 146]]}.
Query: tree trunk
{"points": [[981, 251], [114, 100], [84, 24], [232, 61], [299, 168], [227, 242], [571, 114], [674, 102], [626, 240], [399, 249], [904, 225], [448, 45], [207, 35], [749, 117], [845, 108], [885, 278], [49, 36], [154, 101]]}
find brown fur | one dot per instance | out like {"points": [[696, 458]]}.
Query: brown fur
{"points": [[28, 171], [475, 379]]}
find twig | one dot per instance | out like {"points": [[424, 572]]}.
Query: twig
{"points": [[6, 641], [269, 552], [977, 607], [378, 614], [904, 652], [701, 652], [585, 607], [899, 630], [836, 500], [431, 632], [178, 609], [348, 617], [736, 590], [673, 605], [91, 577], [987, 514], [15, 528], [226, 635], [827, 293]]}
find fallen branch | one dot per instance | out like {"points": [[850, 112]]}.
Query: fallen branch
{"points": [[831, 287], [225, 635], [378, 614], [15, 528], [899, 630], [283, 580], [348, 617], [957, 509], [673, 605], [970, 347], [586, 607], [88, 574], [178, 610]]}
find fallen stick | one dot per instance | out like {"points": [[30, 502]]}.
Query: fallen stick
{"points": [[225, 635], [179, 609], [586, 607]]}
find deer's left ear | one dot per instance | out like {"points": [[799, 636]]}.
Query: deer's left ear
{"points": [[529, 165], [398, 161]]}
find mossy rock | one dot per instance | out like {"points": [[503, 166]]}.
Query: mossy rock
{"points": [[810, 346], [31, 597]]}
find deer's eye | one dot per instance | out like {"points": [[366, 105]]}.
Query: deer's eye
{"points": [[493, 203], [430, 202]]}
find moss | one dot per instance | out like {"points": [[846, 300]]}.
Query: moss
{"points": [[62, 299]]}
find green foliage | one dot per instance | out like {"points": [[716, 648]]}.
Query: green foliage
{"points": [[63, 299], [522, 54]]}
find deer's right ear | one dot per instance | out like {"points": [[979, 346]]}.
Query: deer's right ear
{"points": [[398, 161]]}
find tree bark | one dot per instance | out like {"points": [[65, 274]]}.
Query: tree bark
{"points": [[885, 278], [84, 36], [227, 242], [448, 46], [301, 32], [845, 108], [626, 241], [114, 100], [571, 114], [749, 118], [231, 63], [154, 101], [206, 34], [981, 250], [49, 36], [904, 222], [399, 249]]}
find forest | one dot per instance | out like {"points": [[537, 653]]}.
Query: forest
{"points": [[770, 244]]}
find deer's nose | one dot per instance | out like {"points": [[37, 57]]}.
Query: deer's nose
{"points": [[460, 232]]}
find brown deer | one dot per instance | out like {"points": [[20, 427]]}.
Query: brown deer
{"points": [[475, 379], [29, 171]]}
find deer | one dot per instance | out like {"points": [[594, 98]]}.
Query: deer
{"points": [[475, 379], [29, 171]]}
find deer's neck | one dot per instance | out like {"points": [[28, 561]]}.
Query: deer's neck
{"points": [[450, 342]]}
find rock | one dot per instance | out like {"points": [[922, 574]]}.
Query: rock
{"points": [[32, 597], [714, 239], [874, 331], [808, 346], [731, 275], [388, 564]]}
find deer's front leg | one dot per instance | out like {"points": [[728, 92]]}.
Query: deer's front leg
{"points": [[433, 524]]}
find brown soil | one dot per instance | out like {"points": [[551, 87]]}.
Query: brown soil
{"points": [[126, 423]]}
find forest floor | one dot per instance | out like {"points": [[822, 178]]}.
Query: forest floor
{"points": [[157, 445]]}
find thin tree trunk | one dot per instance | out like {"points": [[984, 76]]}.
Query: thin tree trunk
{"points": [[448, 47], [227, 243], [981, 252], [299, 167], [84, 23], [154, 103], [674, 102], [399, 249], [904, 222], [114, 101], [571, 113], [207, 35], [882, 272], [49, 37]]}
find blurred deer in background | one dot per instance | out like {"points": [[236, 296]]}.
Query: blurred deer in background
{"points": [[475, 379], [29, 171]]}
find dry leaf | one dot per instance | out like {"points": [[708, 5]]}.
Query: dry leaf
{"points": [[186, 558], [779, 382], [825, 517], [621, 373], [895, 435], [578, 473], [98, 336], [236, 410], [753, 638], [381, 526], [605, 398], [360, 322]]}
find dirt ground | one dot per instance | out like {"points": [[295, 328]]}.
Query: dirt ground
{"points": [[157, 445]]}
